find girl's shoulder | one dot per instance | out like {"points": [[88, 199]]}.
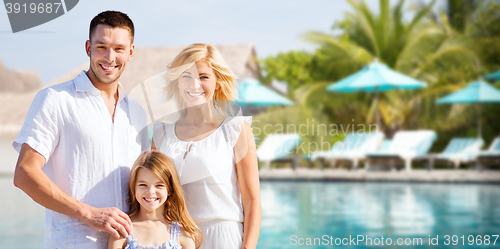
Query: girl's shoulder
{"points": [[117, 243], [185, 239], [155, 233]]}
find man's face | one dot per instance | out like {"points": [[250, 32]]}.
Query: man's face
{"points": [[109, 50]]}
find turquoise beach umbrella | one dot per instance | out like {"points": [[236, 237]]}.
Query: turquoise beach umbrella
{"points": [[493, 76], [376, 77], [252, 93], [476, 92]]}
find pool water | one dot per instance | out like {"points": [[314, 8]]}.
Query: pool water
{"points": [[21, 219], [294, 210], [316, 209]]}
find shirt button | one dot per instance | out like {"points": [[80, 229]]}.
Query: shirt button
{"points": [[119, 204], [117, 178]]}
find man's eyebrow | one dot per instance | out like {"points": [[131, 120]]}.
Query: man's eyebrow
{"points": [[116, 45], [98, 42]]}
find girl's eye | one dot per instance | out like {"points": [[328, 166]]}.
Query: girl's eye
{"points": [[186, 76], [160, 186], [142, 185], [203, 77]]}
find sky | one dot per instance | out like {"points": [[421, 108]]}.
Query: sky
{"points": [[56, 47]]}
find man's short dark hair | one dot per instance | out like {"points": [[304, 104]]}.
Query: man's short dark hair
{"points": [[115, 19]]}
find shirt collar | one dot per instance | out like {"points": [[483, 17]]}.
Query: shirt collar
{"points": [[121, 92], [83, 84]]}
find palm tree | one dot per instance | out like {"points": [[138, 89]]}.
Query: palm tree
{"points": [[434, 53]]}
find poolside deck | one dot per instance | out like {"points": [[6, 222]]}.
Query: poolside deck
{"points": [[417, 175]]}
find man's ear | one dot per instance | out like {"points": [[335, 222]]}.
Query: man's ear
{"points": [[132, 49], [87, 47]]}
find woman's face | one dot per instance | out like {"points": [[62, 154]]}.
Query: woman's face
{"points": [[197, 84]]}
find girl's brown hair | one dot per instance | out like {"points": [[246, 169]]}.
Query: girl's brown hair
{"points": [[175, 205]]}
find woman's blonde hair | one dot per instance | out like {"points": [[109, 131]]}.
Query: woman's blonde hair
{"points": [[208, 54], [175, 205]]}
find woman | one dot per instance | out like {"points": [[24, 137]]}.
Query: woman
{"points": [[214, 153]]}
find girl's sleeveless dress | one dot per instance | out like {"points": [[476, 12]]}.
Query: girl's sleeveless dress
{"points": [[209, 179], [172, 244]]}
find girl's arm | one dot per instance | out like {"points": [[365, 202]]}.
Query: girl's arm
{"points": [[248, 180], [114, 243], [185, 240]]}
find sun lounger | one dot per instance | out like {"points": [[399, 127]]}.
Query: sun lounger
{"points": [[277, 148], [460, 150], [385, 145], [406, 146], [352, 149], [492, 155]]}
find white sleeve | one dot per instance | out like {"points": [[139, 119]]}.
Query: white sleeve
{"points": [[234, 128], [41, 127], [159, 134]]}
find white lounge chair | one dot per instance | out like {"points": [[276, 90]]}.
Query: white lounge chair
{"points": [[277, 147], [461, 150], [385, 145], [491, 155], [406, 146], [352, 149]]}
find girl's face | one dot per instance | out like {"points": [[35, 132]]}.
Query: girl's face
{"points": [[150, 191], [197, 84]]}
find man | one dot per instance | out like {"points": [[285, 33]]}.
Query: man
{"points": [[78, 143]]}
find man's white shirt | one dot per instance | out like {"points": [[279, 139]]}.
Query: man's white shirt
{"points": [[87, 155]]}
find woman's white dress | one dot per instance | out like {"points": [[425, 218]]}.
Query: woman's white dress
{"points": [[208, 176]]}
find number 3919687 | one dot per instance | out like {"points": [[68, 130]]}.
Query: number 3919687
{"points": [[32, 8], [471, 240]]}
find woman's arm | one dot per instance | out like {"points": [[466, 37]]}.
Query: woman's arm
{"points": [[114, 243], [248, 180]]}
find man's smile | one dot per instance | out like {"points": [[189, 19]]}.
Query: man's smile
{"points": [[108, 68]]}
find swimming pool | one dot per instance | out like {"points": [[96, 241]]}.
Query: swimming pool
{"points": [[21, 219], [339, 210], [309, 210]]}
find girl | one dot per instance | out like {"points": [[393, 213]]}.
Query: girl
{"points": [[214, 153], [157, 209]]}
